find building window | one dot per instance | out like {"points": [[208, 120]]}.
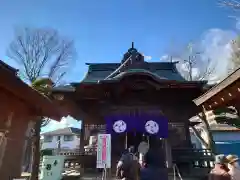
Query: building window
{"points": [[68, 137], [48, 139]]}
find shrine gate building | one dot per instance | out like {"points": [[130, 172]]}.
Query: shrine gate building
{"points": [[134, 98]]}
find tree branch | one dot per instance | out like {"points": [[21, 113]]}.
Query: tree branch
{"points": [[41, 52], [230, 3], [199, 137], [194, 61]]}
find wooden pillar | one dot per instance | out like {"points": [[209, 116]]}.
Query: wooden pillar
{"points": [[81, 148], [168, 153], [82, 138], [208, 130], [12, 160], [187, 134]]}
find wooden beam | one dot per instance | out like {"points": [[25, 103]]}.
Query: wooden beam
{"points": [[218, 88], [226, 96]]}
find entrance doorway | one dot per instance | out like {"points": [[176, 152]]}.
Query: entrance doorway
{"points": [[122, 141], [134, 139]]}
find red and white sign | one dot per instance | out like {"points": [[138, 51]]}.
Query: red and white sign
{"points": [[104, 151]]}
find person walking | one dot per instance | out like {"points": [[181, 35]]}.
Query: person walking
{"points": [[128, 167], [155, 166], [233, 165], [220, 170]]}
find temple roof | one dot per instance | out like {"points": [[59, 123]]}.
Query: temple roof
{"points": [[132, 63], [162, 70]]}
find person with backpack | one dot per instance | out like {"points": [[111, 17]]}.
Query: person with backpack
{"points": [[128, 167], [155, 168]]}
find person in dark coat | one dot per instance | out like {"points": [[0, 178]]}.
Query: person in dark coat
{"points": [[220, 170], [128, 167], [155, 166]]}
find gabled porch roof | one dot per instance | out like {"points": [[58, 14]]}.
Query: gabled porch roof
{"points": [[222, 93]]}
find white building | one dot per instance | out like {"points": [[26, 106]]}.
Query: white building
{"points": [[62, 139]]}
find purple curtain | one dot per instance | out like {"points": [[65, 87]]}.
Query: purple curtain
{"points": [[147, 124]]}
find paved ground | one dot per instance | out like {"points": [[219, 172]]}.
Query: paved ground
{"points": [[94, 176]]}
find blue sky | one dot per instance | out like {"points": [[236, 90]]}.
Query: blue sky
{"points": [[103, 30]]}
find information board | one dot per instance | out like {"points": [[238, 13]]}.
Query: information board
{"points": [[52, 167], [104, 151]]}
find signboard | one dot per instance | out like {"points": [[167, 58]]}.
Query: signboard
{"points": [[52, 167], [104, 151]]}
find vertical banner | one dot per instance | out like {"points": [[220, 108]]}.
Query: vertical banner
{"points": [[104, 151]]}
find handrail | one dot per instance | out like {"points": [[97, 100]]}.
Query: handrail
{"points": [[104, 172], [176, 170]]}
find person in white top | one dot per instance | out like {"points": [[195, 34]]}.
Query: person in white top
{"points": [[233, 165]]}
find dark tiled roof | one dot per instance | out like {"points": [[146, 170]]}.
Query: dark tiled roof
{"points": [[64, 131], [162, 70]]}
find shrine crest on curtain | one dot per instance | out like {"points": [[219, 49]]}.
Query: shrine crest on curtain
{"points": [[147, 124]]}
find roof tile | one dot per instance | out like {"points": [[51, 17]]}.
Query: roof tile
{"points": [[164, 70]]}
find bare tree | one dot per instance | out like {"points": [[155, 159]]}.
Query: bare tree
{"points": [[41, 53], [193, 67], [235, 56], [235, 5], [235, 45]]}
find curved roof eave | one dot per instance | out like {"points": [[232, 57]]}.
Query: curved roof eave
{"points": [[137, 72], [154, 76]]}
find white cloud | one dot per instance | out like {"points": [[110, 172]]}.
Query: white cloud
{"points": [[195, 72], [214, 45], [164, 57], [184, 68], [237, 20], [65, 122], [238, 24], [148, 58]]}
